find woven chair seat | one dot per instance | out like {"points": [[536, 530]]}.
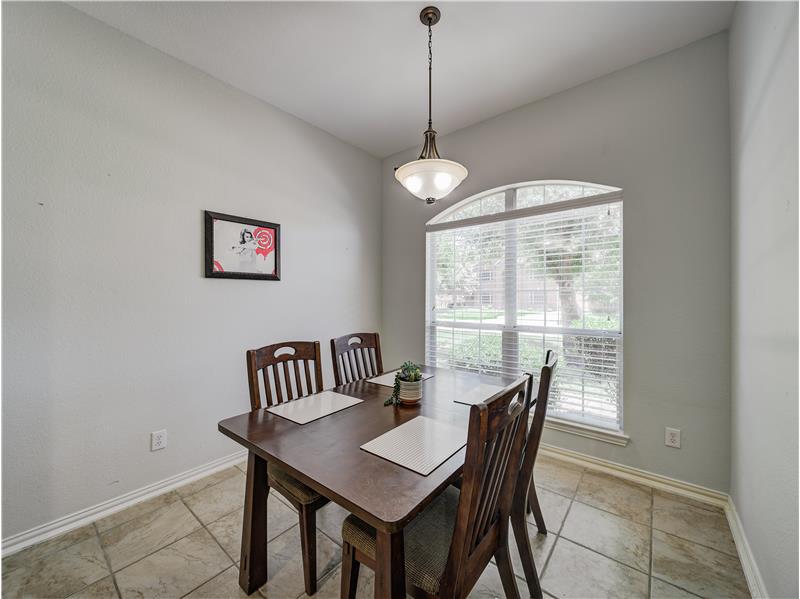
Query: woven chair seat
{"points": [[427, 540], [290, 484]]}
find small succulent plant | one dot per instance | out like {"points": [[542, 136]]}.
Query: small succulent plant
{"points": [[409, 373]]}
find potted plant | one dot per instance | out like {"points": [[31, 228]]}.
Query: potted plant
{"points": [[407, 386]]}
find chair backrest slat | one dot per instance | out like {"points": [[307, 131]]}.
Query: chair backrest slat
{"points": [[308, 376], [362, 370], [298, 382], [494, 452], [535, 432], [365, 359], [494, 491], [352, 361], [276, 377], [287, 381], [356, 356], [271, 359], [488, 507], [493, 449], [267, 391]]}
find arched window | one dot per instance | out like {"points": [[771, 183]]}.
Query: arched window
{"points": [[517, 270]]}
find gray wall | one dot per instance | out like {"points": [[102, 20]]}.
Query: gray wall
{"points": [[659, 130], [763, 81], [111, 151]]}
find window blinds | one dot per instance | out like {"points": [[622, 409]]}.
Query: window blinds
{"points": [[502, 288]]}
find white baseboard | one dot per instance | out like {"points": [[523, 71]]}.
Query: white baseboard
{"points": [[678, 487], [758, 589], [80, 518], [636, 475]]}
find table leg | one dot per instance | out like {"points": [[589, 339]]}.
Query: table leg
{"points": [[390, 566], [253, 565]]}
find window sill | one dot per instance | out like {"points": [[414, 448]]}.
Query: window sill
{"points": [[588, 431]]}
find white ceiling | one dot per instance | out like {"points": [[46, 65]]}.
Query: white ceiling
{"points": [[359, 69]]}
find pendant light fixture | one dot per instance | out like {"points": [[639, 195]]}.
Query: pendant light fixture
{"points": [[430, 177]]}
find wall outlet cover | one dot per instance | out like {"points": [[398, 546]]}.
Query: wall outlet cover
{"points": [[672, 437], [158, 440]]}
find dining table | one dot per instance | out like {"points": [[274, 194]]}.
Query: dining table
{"points": [[326, 455]]}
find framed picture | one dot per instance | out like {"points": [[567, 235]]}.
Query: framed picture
{"points": [[242, 248]]}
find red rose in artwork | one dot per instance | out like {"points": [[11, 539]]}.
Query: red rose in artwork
{"points": [[265, 238]]}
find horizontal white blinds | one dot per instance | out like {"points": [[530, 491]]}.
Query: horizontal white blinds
{"points": [[501, 293]]}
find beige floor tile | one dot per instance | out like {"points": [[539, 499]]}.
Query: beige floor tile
{"points": [[141, 536], [228, 529], [58, 574], [541, 545], [556, 475], [174, 570], [222, 586], [661, 590], [489, 585], [698, 569], [329, 588], [228, 532], [699, 504], [208, 481], [618, 538], [554, 508], [136, 510], [218, 500], [40, 550], [285, 567], [329, 521], [694, 523], [615, 495], [102, 589], [576, 572], [242, 466]]}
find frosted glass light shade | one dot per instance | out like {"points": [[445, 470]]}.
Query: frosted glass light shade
{"points": [[431, 178]]}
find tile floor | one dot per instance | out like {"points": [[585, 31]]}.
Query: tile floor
{"points": [[609, 538]]}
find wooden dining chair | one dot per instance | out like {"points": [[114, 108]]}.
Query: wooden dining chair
{"points": [[449, 544], [525, 499], [356, 356], [286, 376]]}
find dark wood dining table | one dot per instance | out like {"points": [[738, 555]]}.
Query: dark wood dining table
{"points": [[325, 455]]}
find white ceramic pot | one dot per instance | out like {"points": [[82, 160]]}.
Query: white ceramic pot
{"points": [[410, 393]]}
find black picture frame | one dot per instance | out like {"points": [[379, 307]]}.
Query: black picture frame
{"points": [[211, 273]]}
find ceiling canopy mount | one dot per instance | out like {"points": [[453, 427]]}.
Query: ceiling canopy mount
{"points": [[430, 15]]}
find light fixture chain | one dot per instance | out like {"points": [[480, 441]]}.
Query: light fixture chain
{"points": [[430, 73]]}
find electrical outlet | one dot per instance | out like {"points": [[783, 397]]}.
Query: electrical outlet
{"points": [[158, 440], [672, 437]]}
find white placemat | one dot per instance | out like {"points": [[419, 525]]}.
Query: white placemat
{"points": [[313, 407], [477, 394], [422, 444], [387, 378]]}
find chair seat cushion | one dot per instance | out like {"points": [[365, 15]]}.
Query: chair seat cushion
{"points": [[285, 481], [427, 540]]}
